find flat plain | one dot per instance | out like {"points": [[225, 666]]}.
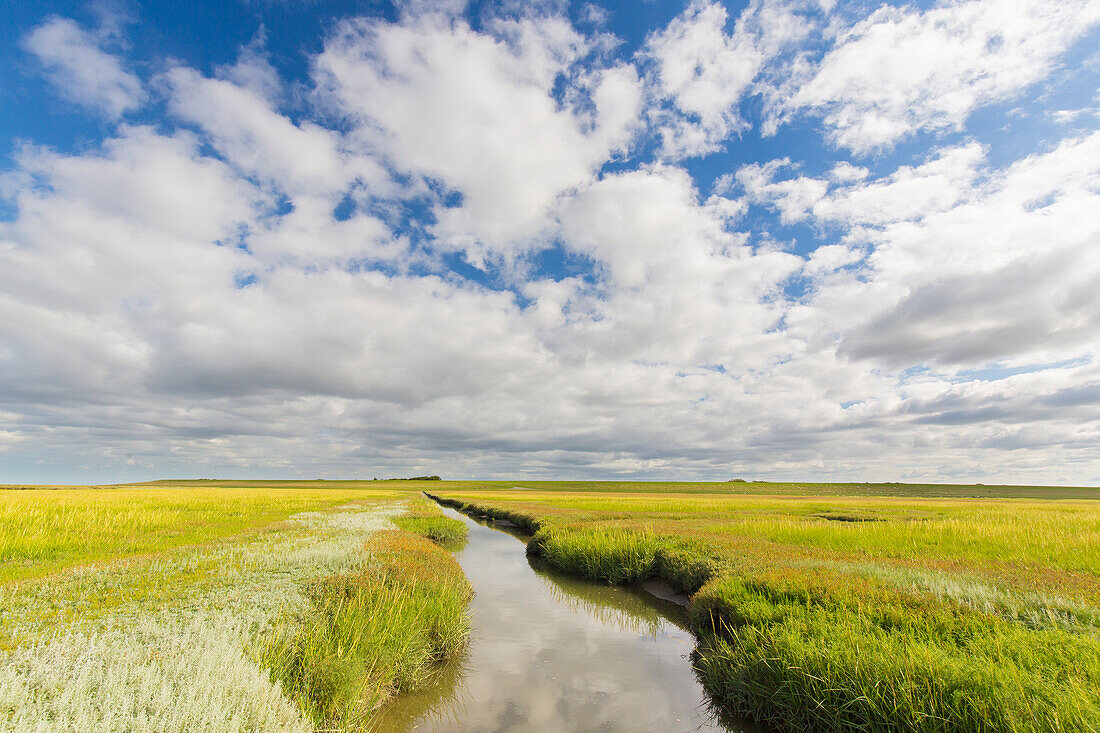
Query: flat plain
{"points": [[853, 606], [880, 607], [214, 607]]}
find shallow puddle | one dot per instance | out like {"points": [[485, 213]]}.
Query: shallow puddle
{"points": [[553, 653]]}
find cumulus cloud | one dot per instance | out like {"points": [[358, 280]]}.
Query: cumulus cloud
{"points": [[705, 72], [1006, 276], [682, 289], [244, 127], [74, 60], [476, 113], [846, 197], [904, 70], [253, 286], [1001, 275]]}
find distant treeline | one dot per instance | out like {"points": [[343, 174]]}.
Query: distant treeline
{"points": [[413, 478]]}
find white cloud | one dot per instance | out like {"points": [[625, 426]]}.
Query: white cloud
{"points": [[904, 70], [705, 71], [190, 300], [476, 113], [252, 135], [115, 287], [102, 246], [847, 197], [125, 321], [792, 197], [311, 165], [1006, 274], [594, 14], [829, 258], [254, 72], [75, 62], [845, 172], [911, 192]]}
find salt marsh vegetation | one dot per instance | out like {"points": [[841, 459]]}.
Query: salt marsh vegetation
{"points": [[837, 613], [180, 639], [309, 606]]}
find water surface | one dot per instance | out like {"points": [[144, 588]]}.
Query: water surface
{"points": [[553, 653]]}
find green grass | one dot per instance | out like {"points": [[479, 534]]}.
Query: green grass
{"points": [[371, 634], [46, 529], [876, 607], [424, 518], [930, 614], [161, 640], [780, 488], [618, 558], [320, 606], [805, 655]]}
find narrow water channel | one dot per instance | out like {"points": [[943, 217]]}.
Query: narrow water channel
{"points": [[553, 653]]}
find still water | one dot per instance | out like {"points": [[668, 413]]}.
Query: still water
{"points": [[553, 653]]}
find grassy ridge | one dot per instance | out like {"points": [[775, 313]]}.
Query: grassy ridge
{"points": [[925, 615], [381, 630]]}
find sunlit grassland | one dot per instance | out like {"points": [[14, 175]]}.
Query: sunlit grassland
{"points": [[154, 608], [785, 488], [45, 530], [1029, 542], [824, 612]]}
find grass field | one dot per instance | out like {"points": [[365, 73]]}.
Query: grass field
{"points": [[221, 608], [304, 605], [818, 609]]}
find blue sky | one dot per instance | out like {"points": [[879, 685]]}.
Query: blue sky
{"points": [[777, 239]]}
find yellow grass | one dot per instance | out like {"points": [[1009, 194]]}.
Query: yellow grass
{"points": [[46, 530], [1024, 544]]}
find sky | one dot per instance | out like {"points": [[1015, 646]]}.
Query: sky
{"points": [[782, 240]]}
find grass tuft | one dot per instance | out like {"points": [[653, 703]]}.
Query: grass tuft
{"points": [[424, 518], [370, 634], [617, 558], [795, 667]]}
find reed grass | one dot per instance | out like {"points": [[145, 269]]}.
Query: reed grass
{"points": [[618, 558], [793, 668]]}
